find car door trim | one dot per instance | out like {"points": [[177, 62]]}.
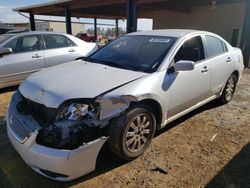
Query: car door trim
{"points": [[184, 112], [19, 73], [9, 84]]}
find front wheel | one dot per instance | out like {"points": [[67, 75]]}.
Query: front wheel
{"points": [[229, 89], [131, 133]]}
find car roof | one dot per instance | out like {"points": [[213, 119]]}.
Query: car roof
{"points": [[168, 32], [34, 32], [11, 35]]}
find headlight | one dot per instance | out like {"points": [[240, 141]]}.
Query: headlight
{"points": [[77, 111]]}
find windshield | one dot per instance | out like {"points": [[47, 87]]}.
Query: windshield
{"points": [[139, 53], [4, 38]]}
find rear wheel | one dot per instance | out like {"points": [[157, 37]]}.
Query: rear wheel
{"points": [[131, 133], [229, 89]]}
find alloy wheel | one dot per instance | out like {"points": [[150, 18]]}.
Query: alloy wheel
{"points": [[230, 89], [138, 133]]}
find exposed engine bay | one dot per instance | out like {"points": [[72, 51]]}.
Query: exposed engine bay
{"points": [[68, 134]]}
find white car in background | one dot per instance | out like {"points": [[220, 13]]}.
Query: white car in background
{"points": [[22, 54]]}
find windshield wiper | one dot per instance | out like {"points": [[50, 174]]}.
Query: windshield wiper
{"points": [[108, 63], [112, 64], [89, 59]]}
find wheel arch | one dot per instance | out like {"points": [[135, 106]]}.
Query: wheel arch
{"points": [[155, 107], [237, 74]]}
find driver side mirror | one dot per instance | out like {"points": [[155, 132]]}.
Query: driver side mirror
{"points": [[5, 51], [184, 65]]}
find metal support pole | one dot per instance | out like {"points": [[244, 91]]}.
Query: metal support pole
{"points": [[95, 28], [116, 27], [32, 22], [245, 39], [68, 21], [131, 16]]}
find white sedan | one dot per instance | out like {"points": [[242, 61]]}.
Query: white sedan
{"points": [[22, 54], [60, 118]]}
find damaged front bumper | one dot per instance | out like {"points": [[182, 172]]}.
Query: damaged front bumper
{"points": [[57, 164]]}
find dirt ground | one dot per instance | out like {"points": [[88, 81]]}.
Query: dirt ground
{"points": [[184, 149]]}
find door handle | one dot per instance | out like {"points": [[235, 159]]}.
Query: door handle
{"points": [[36, 56], [204, 69], [229, 59], [72, 50]]}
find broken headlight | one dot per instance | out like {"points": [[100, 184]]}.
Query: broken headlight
{"points": [[77, 111], [74, 125]]}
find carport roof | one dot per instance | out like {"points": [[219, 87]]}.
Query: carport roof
{"points": [[113, 8]]}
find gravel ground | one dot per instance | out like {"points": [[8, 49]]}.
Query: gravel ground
{"points": [[184, 149]]}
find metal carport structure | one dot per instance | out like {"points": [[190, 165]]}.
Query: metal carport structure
{"points": [[126, 9], [111, 9]]}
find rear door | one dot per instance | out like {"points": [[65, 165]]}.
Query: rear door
{"points": [[220, 59], [26, 58], [59, 49], [189, 87]]}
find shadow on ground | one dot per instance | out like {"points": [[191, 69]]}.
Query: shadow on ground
{"points": [[2, 120], [15, 173], [8, 89], [236, 173]]}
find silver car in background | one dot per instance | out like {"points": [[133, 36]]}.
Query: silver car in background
{"points": [[22, 54], [122, 94]]}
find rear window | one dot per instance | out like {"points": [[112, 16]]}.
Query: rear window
{"points": [[57, 41], [214, 46]]}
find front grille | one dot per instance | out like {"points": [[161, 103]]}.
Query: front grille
{"points": [[17, 128], [42, 114]]}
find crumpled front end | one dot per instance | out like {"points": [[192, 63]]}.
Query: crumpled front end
{"points": [[62, 164]]}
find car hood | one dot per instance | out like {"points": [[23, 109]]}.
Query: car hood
{"points": [[74, 80]]}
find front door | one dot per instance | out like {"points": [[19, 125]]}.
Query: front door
{"points": [[189, 87], [26, 58]]}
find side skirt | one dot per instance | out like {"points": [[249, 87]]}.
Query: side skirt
{"points": [[189, 110]]}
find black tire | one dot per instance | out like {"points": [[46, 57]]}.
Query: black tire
{"points": [[229, 89], [122, 132]]}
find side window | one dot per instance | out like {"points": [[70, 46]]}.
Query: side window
{"points": [[191, 50], [57, 41], [214, 46], [24, 44], [12, 44], [70, 43]]}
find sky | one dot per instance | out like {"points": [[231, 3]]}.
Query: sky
{"points": [[7, 15]]}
